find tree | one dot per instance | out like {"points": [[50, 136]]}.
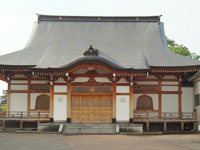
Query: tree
{"points": [[180, 49], [3, 98]]}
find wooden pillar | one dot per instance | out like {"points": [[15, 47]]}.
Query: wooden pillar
{"points": [[147, 125], [28, 95], [159, 97], [51, 102], [3, 124], [21, 124], [69, 90], [182, 126], [131, 105], [8, 97], [165, 126], [179, 98], [114, 103]]}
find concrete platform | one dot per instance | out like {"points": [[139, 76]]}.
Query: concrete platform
{"points": [[83, 128]]}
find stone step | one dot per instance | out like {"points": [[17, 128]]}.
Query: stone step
{"points": [[89, 128]]}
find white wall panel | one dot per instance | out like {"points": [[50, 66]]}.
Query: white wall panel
{"points": [[187, 99], [60, 107], [60, 88], [18, 102], [172, 83], [147, 82], [169, 77], [102, 79], [122, 108], [154, 99], [169, 102], [169, 88], [196, 88], [19, 81], [84, 79], [122, 80], [60, 80], [122, 89], [18, 87], [33, 99], [39, 82]]}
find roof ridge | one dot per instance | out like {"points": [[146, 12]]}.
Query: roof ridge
{"points": [[99, 18]]}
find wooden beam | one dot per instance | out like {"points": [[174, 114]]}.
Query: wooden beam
{"points": [[51, 100], [114, 102], [179, 98], [69, 89], [8, 97], [159, 97], [131, 105], [28, 94]]}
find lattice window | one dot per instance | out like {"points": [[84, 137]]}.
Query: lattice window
{"points": [[42, 102], [144, 102]]}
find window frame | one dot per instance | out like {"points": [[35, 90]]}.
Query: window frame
{"points": [[144, 109], [41, 109]]}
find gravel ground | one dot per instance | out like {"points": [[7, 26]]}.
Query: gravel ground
{"points": [[31, 141]]}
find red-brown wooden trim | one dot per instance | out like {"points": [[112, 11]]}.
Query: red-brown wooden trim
{"points": [[131, 103], [28, 95], [60, 93], [179, 98], [69, 90], [114, 100], [51, 100], [122, 93], [8, 97], [159, 97], [169, 85]]}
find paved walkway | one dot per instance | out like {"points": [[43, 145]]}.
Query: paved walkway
{"points": [[22, 141]]}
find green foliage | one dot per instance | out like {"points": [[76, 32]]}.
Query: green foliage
{"points": [[3, 98], [180, 49], [3, 108]]}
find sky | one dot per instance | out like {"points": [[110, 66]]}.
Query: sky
{"points": [[181, 18]]}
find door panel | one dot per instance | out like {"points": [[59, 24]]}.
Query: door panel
{"points": [[91, 109]]}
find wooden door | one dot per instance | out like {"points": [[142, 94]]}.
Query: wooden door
{"points": [[91, 109]]}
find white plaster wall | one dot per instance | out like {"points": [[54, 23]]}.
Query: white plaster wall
{"points": [[60, 107], [33, 99], [169, 77], [187, 99], [38, 82], [151, 77], [60, 88], [18, 102], [18, 87], [83, 79], [169, 102], [172, 83], [196, 88], [102, 79], [19, 81], [147, 82], [122, 108], [122, 89], [122, 80], [169, 88], [60, 80], [154, 99], [19, 76]]}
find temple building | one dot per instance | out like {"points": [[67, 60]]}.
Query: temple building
{"points": [[101, 70]]}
